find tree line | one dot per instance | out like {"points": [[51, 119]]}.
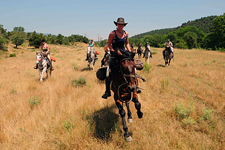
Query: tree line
{"points": [[18, 36], [207, 33]]}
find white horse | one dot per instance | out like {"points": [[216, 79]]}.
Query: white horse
{"points": [[91, 57], [42, 65], [147, 54]]}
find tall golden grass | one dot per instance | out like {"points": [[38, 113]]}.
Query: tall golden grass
{"points": [[183, 105]]}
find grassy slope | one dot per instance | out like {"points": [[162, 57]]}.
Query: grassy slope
{"points": [[70, 117]]}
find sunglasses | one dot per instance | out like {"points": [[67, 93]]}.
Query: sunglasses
{"points": [[121, 24]]}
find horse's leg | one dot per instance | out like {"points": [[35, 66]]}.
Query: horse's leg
{"points": [[41, 75], [130, 120], [122, 113], [45, 70], [93, 63], [137, 106]]}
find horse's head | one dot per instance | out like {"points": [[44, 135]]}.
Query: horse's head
{"points": [[128, 70], [39, 56]]}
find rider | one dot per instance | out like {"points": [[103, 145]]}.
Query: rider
{"points": [[45, 49], [139, 45], [169, 46], [147, 47], [116, 40], [92, 44]]}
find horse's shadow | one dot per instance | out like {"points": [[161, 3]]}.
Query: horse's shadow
{"points": [[86, 69], [103, 122], [160, 65]]}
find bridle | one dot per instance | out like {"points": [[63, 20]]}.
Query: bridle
{"points": [[125, 80], [40, 58]]}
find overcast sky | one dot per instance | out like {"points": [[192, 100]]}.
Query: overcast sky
{"points": [[94, 18]]}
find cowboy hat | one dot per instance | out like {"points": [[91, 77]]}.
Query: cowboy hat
{"points": [[120, 21]]}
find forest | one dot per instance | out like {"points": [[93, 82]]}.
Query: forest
{"points": [[204, 33]]}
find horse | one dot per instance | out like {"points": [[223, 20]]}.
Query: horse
{"points": [[91, 57], [139, 51], [43, 65], [168, 56], [147, 55], [124, 86]]}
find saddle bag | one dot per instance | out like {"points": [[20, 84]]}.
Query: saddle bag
{"points": [[138, 64], [53, 59], [101, 73]]}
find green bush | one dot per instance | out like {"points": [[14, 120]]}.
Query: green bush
{"points": [[34, 101], [12, 55], [79, 82], [183, 111], [146, 67]]}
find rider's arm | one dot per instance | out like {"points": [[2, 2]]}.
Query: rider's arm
{"points": [[47, 49], [110, 38], [127, 43]]}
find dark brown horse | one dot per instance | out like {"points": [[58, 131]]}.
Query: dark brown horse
{"points": [[124, 86], [168, 56], [139, 51]]}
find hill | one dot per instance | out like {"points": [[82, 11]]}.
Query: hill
{"points": [[204, 24], [183, 105]]}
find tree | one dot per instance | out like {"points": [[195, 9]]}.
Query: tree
{"points": [[147, 38], [35, 39], [173, 37], [216, 39], [59, 39], [3, 38], [18, 36], [158, 40], [191, 39]]}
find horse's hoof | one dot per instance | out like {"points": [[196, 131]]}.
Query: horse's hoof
{"points": [[128, 139], [138, 91], [140, 114], [130, 120]]}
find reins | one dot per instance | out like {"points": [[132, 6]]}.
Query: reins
{"points": [[126, 82]]}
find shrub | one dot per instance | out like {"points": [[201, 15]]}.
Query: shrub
{"points": [[34, 101], [79, 82], [183, 111], [146, 67], [12, 55], [164, 84]]}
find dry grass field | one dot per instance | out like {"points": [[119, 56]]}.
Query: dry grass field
{"points": [[183, 105]]}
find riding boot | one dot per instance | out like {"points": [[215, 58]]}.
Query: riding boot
{"points": [[51, 67], [96, 58], [107, 92], [36, 67], [86, 58]]}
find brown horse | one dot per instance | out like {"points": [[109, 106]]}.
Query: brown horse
{"points": [[168, 56], [139, 51], [124, 86]]}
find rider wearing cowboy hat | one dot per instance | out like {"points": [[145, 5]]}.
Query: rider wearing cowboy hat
{"points": [[116, 40]]}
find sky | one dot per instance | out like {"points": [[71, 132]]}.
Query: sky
{"points": [[94, 18]]}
